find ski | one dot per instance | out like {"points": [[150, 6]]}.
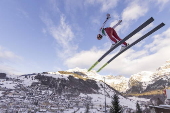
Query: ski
{"points": [[135, 42], [123, 40]]}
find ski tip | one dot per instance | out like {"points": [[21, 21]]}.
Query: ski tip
{"points": [[152, 18], [163, 23]]}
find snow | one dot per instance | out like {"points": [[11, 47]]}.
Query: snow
{"points": [[91, 74], [109, 79], [13, 76], [98, 100], [70, 111], [8, 84], [143, 76], [81, 110], [1, 93], [11, 84], [116, 80], [28, 81], [139, 99], [65, 76], [165, 106], [128, 103]]}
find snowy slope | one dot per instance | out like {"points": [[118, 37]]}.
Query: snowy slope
{"points": [[145, 77], [98, 98], [163, 70], [12, 82], [90, 74], [120, 83]]}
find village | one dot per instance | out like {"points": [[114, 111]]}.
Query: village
{"points": [[38, 98], [28, 94]]}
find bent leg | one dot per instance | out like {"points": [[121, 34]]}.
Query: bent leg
{"points": [[117, 37], [109, 33]]}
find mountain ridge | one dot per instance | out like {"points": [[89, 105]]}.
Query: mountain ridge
{"points": [[123, 84]]}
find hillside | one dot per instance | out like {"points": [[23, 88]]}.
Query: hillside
{"points": [[142, 83], [149, 81], [75, 89], [53, 92]]}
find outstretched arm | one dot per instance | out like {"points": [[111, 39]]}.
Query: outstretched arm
{"points": [[118, 23], [108, 16]]}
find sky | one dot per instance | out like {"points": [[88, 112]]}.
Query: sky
{"points": [[53, 35]]}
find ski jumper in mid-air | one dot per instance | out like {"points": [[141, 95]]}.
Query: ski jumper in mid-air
{"points": [[111, 34]]}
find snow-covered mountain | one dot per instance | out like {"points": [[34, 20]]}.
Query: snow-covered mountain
{"points": [[140, 80], [74, 89], [119, 83], [163, 70], [56, 91], [146, 81], [146, 76], [122, 84]]}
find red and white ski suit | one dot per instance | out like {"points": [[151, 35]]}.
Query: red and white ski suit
{"points": [[111, 34]]}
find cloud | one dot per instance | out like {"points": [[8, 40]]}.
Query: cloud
{"points": [[6, 59], [8, 70], [54, 5], [161, 4], [63, 35], [160, 41], [74, 6], [8, 55], [23, 13], [44, 31], [84, 58], [134, 11], [105, 4], [140, 34], [131, 61]]}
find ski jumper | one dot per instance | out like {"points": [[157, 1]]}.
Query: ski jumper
{"points": [[111, 34]]}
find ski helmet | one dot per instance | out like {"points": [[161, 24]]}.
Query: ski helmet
{"points": [[99, 36]]}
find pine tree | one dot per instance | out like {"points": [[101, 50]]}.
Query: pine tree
{"points": [[115, 108], [138, 109], [87, 108]]}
